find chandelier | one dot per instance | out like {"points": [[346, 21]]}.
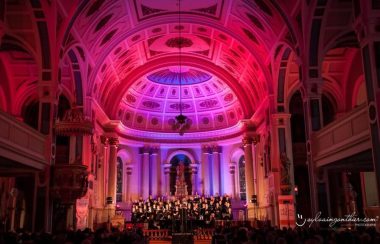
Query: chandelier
{"points": [[181, 121]]}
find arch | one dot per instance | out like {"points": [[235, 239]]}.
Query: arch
{"points": [[286, 19], [125, 156], [65, 91], [30, 111], [28, 92], [118, 92], [358, 91], [343, 39], [3, 100], [236, 154], [13, 42], [77, 75], [5, 86], [331, 87], [297, 87], [180, 151], [149, 23]]}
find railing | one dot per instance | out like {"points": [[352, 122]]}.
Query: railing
{"points": [[156, 234], [203, 234], [22, 143], [342, 138]]}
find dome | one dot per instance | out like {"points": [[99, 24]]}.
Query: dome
{"points": [[152, 102]]}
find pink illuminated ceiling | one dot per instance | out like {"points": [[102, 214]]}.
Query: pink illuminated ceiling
{"points": [[152, 102], [124, 41]]}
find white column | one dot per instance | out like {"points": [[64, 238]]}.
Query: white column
{"points": [[112, 173], [128, 185], [206, 179], [216, 170], [154, 172], [145, 173], [247, 143], [101, 179], [233, 181], [167, 168], [194, 178]]}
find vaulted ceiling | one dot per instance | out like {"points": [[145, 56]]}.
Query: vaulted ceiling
{"points": [[230, 41]]}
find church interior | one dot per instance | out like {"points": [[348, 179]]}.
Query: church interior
{"points": [[269, 108]]}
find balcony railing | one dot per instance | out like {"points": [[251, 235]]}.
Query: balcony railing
{"points": [[342, 138], [22, 143]]}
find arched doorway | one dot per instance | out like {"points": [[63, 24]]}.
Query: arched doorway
{"points": [[174, 162]]}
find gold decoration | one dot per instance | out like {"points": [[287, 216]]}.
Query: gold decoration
{"points": [[74, 123]]}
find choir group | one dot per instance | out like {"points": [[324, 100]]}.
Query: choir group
{"points": [[195, 208]]}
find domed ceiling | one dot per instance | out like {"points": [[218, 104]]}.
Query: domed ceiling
{"points": [[153, 101]]}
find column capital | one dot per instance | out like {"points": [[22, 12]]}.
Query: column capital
{"points": [[129, 170], [145, 149], [113, 141], [216, 149], [249, 139], [206, 149], [154, 150], [248, 125], [104, 140]]}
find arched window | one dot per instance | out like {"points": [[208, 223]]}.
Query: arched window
{"points": [[119, 180], [242, 185]]}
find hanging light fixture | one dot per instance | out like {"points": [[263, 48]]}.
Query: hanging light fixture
{"points": [[181, 123]]}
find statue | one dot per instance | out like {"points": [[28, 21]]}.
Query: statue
{"points": [[181, 172], [181, 187]]}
